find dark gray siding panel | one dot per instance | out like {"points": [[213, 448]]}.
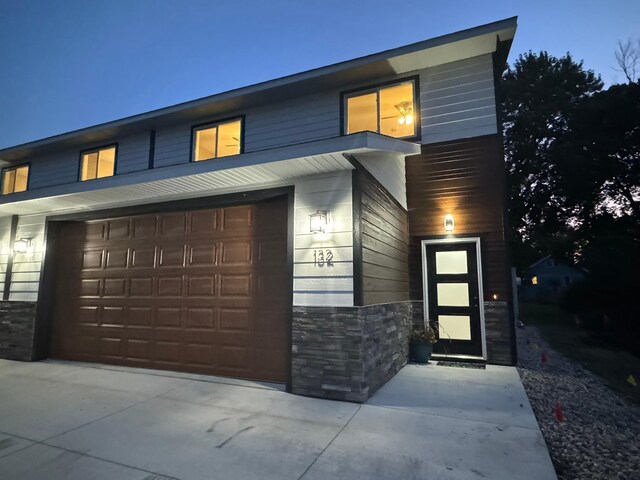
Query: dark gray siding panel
{"points": [[173, 146], [55, 169], [299, 120], [385, 239], [63, 168], [133, 153]]}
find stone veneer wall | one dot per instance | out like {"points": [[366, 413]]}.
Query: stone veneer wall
{"points": [[499, 332], [17, 323], [347, 353]]}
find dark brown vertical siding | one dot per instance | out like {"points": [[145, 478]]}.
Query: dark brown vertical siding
{"points": [[465, 178], [385, 236]]}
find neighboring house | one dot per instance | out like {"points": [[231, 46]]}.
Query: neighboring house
{"points": [[548, 278], [287, 231]]}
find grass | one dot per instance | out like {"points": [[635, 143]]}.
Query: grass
{"points": [[607, 361]]}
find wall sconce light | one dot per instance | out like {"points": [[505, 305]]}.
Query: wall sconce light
{"points": [[448, 223], [22, 246], [494, 296], [318, 221]]}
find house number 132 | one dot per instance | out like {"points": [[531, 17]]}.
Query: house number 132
{"points": [[322, 258]]}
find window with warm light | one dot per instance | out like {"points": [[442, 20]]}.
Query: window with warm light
{"points": [[217, 140], [534, 280], [98, 163], [389, 110], [15, 179]]}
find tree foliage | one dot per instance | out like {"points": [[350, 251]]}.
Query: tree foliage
{"points": [[539, 95], [573, 166]]}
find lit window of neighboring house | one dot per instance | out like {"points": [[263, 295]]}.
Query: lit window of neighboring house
{"points": [[217, 140], [389, 110], [15, 179], [534, 280], [98, 163]]}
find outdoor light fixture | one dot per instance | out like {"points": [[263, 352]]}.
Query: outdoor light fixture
{"points": [[495, 296], [318, 221], [448, 223], [22, 246]]}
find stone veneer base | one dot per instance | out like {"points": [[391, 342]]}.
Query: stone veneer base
{"points": [[347, 353], [17, 324]]}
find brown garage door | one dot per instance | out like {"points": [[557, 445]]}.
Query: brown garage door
{"points": [[204, 291]]}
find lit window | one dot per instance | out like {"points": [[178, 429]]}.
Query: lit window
{"points": [[15, 179], [386, 110], [534, 280], [217, 140], [98, 163]]}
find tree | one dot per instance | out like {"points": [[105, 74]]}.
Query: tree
{"points": [[539, 95], [599, 157], [628, 59]]}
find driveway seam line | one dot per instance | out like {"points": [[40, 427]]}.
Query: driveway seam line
{"points": [[398, 409], [109, 415], [330, 443], [82, 454]]}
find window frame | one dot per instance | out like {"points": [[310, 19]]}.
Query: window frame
{"points": [[15, 167], [97, 149], [344, 95], [215, 123]]}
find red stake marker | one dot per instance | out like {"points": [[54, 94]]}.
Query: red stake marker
{"points": [[559, 413], [543, 359]]}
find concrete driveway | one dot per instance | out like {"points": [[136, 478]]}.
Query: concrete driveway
{"points": [[75, 421]]}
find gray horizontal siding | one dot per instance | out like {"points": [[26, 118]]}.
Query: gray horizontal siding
{"points": [[133, 153], [62, 168], [456, 101]]}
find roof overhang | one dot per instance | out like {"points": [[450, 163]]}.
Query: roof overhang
{"points": [[484, 39], [248, 171]]}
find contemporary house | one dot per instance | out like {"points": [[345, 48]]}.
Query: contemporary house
{"points": [[548, 278], [290, 231]]}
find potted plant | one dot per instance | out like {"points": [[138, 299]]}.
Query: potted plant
{"points": [[421, 342]]}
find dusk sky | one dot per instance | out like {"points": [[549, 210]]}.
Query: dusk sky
{"points": [[75, 63]]}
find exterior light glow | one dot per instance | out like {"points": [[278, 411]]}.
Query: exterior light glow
{"points": [[495, 296], [448, 223], [318, 221], [22, 246]]}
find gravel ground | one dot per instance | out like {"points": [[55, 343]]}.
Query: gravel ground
{"points": [[599, 436]]}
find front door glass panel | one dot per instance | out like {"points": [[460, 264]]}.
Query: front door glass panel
{"points": [[454, 327], [453, 294]]}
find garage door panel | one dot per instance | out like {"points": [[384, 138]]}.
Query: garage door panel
{"points": [[173, 224], [117, 258], [204, 222], [202, 291], [118, 229], [144, 227], [203, 254], [171, 256]]}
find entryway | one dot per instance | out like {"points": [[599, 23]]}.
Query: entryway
{"points": [[453, 295]]}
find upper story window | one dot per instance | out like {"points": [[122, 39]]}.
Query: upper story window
{"points": [[15, 179], [389, 110], [98, 163], [217, 140]]}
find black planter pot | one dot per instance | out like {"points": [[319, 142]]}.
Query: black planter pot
{"points": [[419, 351]]}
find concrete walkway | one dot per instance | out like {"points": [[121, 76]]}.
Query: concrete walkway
{"points": [[74, 421]]}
